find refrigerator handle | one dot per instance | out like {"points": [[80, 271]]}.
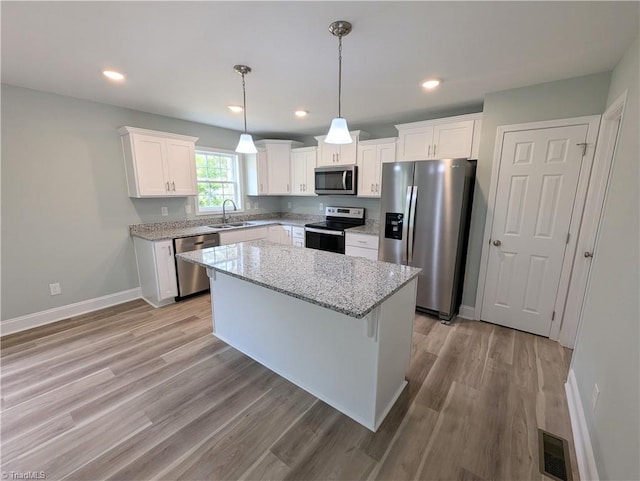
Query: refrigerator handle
{"points": [[412, 221], [405, 225]]}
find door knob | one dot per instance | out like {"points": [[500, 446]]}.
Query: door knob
{"points": [[588, 254], [497, 243]]}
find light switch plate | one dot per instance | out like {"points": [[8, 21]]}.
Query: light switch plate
{"points": [[187, 208], [55, 289], [164, 211]]}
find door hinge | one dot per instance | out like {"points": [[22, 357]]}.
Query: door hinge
{"points": [[553, 316], [584, 148], [568, 237]]}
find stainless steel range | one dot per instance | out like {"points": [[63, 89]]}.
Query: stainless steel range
{"points": [[329, 235]]}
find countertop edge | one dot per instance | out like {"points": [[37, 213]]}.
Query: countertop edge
{"points": [[356, 315]]}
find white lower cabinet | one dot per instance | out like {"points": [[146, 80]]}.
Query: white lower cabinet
{"points": [[280, 234], [157, 271], [241, 235], [298, 236], [361, 245]]}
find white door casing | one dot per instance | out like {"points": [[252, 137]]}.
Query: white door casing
{"points": [[586, 241], [541, 183]]}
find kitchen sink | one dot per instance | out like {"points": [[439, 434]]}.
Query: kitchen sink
{"points": [[230, 225]]}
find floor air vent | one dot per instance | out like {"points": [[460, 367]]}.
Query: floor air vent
{"points": [[554, 456]]}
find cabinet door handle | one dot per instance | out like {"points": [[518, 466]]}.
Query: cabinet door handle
{"points": [[304, 187], [373, 187], [173, 184], [434, 149], [168, 190], [377, 187]]}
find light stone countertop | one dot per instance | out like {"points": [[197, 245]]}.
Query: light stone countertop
{"points": [[178, 232], [350, 285], [367, 229]]}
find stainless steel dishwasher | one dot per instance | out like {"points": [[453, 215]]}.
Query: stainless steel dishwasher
{"points": [[193, 278]]}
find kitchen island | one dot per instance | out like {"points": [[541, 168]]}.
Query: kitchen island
{"points": [[339, 327]]}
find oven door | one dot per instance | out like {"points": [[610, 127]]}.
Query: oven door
{"points": [[324, 240]]}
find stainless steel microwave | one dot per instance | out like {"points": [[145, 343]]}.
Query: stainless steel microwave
{"points": [[340, 179]]}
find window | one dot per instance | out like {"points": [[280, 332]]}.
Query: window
{"points": [[218, 173]]}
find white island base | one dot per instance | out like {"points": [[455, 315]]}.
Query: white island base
{"points": [[355, 365]]}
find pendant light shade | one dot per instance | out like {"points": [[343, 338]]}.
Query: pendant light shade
{"points": [[245, 145], [339, 131]]}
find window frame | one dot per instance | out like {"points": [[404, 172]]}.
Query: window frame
{"points": [[239, 180]]}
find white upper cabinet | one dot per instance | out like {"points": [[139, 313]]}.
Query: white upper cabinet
{"points": [[447, 138], [340, 154], [303, 162], [269, 171], [371, 155], [158, 164], [257, 181]]}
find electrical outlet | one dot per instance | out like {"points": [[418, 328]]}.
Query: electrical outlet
{"points": [[256, 205], [321, 207], [55, 289], [187, 208], [164, 211], [289, 205], [248, 205], [594, 397]]}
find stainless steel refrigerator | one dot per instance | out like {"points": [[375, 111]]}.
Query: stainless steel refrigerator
{"points": [[424, 219]]}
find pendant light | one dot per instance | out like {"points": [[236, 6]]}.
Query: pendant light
{"points": [[339, 132], [245, 145]]}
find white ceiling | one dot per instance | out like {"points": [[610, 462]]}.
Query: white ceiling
{"points": [[178, 56]]}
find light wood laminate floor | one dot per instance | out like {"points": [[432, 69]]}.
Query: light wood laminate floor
{"points": [[136, 393]]}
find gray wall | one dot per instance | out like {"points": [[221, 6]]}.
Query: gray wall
{"points": [[606, 352], [311, 205], [553, 100], [65, 209]]}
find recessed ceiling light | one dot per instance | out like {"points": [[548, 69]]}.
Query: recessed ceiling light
{"points": [[235, 108], [431, 83], [113, 75], [301, 113]]}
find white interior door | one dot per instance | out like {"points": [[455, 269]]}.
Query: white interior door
{"points": [[537, 183]]}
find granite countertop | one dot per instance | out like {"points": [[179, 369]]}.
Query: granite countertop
{"points": [[368, 229], [175, 232], [350, 285]]}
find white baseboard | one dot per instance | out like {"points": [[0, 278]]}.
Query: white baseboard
{"points": [[41, 318], [581, 439], [467, 312]]}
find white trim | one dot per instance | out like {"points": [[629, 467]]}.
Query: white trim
{"points": [[586, 238], [467, 312], [593, 122], [41, 318], [439, 120], [581, 440]]}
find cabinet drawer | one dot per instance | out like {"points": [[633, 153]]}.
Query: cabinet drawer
{"points": [[361, 240], [356, 251], [298, 232]]}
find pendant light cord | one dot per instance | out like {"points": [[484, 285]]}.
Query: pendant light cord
{"points": [[244, 103], [339, 75]]}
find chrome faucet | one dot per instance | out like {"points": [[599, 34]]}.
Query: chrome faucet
{"points": [[225, 219]]}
